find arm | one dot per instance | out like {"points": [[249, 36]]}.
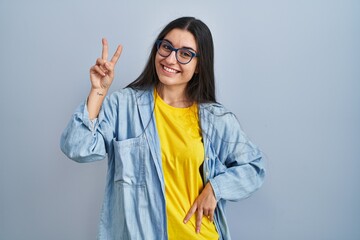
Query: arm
{"points": [[241, 166], [244, 173], [83, 140], [101, 77], [242, 162]]}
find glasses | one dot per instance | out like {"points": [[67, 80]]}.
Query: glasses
{"points": [[183, 55]]}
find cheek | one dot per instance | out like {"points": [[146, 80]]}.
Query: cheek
{"points": [[191, 70], [157, 63], [193, 66]]}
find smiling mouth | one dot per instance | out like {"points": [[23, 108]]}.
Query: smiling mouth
{"points": [[170, 70]]}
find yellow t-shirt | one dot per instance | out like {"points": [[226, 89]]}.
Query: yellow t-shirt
{"points": [[182, 153]]}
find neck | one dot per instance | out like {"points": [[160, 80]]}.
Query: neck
{"points": [[174, 96]]}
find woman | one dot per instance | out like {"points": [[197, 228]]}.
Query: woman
{"points": [[175, 156]]}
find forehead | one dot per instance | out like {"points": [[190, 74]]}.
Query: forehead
{"points": [[181, 38]]}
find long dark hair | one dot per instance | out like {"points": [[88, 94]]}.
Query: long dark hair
{"points": [[201, 87]]}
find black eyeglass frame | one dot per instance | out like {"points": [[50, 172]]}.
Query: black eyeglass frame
{"points": [[160, 41]]}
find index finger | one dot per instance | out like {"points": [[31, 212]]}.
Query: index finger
{"points": [[117, 54], [104, 54], [190, 213]]}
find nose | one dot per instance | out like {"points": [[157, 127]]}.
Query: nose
{"points": [[171, 59]]}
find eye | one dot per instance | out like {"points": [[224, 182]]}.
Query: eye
{"points": [[184, 53], [166, 46]]}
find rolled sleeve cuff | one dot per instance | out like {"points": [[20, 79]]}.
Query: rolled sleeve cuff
{"points": [[91, 124], [216, 189]]}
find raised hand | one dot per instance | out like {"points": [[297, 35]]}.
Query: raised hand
{"points": [[101, 77], [102, 73], [204, 206]]}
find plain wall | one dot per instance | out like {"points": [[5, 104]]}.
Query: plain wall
{"points": [[290, 71]]}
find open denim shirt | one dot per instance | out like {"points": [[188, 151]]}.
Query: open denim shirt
{"points": [[125, 132]]}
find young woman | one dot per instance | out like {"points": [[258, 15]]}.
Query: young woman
{"points": [[175, 155]]}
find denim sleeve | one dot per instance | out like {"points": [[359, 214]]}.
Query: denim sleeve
{"points": [[242, 161], [84, 140]]}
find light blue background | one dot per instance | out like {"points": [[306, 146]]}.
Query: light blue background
{"points": [[290, 70]]}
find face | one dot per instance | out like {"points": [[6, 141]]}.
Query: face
{"points": [[170, 72]]}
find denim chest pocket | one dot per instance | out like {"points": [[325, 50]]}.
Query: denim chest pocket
{"points": [[130, 157]]}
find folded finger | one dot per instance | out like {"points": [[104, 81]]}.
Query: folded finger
{"points": [[108, 66], [100, 61], [102, 64], [206, 213], [98, 70], [211, 216], [103, 69]]}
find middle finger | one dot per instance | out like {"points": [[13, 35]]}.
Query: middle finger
{"points": [[199, 217]]}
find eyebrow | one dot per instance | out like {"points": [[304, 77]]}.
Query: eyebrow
{"points": [[190, 48]]}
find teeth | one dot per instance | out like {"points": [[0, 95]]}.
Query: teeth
{"points": [[169, 70]]}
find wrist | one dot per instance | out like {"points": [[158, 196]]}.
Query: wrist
{"points": [[95, 100], [99, 92]]}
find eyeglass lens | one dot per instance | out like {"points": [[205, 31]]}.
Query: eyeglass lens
{"points": [[183, 55]]}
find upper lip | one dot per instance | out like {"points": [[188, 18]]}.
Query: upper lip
{"points": [[170, 68]]}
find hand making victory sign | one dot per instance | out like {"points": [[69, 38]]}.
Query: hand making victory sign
{"points": [[101, 77], [102, 73]]}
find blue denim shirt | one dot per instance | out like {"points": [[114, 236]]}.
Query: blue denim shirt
{"points": [[125, 132]]}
